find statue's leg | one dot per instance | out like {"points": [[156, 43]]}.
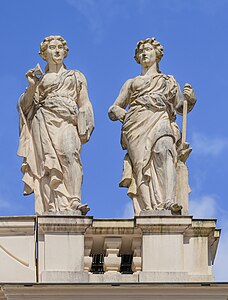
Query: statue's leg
{"points": [[47, 194], [164, 166], [143, 190], [144, 194], [42, 196], [69, 156], [136, 205]]}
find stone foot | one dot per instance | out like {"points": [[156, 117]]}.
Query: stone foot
{"points": [[84, 208], [175, 208]]}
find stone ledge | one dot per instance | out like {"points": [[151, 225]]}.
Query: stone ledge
{"points": [[64, 223], [110, 277], [17, 225], [98, 291], [64, 277], [173, 277]]}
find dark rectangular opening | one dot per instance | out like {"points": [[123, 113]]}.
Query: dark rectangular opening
{"points": [[126, 264], [97, 264]]}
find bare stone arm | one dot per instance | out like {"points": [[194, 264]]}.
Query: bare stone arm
{"points": [[117, 110], [188, 95], [26, 99], [85, 117]]}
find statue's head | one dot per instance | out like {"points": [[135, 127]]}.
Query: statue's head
{"points": [[57, 41], [149, 43]]}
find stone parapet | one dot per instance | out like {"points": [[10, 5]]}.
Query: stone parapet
{"points": [[71, 249]]}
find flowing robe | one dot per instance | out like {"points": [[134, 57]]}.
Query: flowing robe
{"points": [[50, 142], [151, 116]]}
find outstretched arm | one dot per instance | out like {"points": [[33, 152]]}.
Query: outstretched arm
{"points": [[117, 110]]}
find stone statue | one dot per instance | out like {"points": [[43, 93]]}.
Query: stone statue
{"points": [[56, 117], [149, 132]]}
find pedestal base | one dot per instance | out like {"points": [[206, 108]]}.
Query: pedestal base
{"points": [[17, 249], [64, 276], [173, 277]]}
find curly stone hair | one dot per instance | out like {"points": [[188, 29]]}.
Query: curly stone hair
{"points": [[47, 40], [157, 47]]}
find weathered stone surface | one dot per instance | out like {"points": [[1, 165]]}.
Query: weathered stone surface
{"points": [[56, 117], [112, 261], [113, 277], [163, 249], [64, 276], [151, 136], [177, 249], [17, 249], [61, 248]]}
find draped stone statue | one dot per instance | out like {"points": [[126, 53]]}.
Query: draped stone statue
{"points": [[147, 107], [56, 117]]}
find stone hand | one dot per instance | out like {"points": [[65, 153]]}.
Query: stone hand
{"points": [[117, 113], [31, 76], [189, 94]]}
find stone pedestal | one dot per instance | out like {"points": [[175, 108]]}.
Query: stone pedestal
{"points": [[61, 248], [177, 249], [17, 249]]}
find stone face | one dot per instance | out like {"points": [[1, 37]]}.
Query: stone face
{"points": [[56, 118], [147, 106]]}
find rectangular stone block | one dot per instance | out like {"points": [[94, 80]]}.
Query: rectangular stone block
{"points": [[64, 276], [163, 277], [163, 252], [112, 277], [177, 249], [61, 248], [17, 249]]}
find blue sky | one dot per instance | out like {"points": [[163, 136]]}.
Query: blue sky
{"points": [[101, 36]]}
